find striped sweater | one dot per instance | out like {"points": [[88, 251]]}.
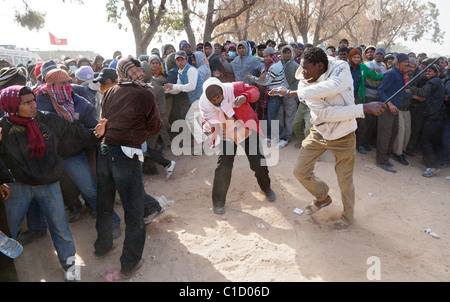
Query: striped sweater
{"points": [[274, 77]]}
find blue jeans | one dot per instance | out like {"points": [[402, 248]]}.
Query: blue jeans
{"points": [[78, 169], [116, 171], [273, 105], [51, 203]]}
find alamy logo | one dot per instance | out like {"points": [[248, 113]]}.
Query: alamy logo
{"points": [[374, 271], [74, 271], [181, 144], [373, 11]]}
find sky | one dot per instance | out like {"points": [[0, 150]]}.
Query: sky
{"points": [[86, 28]]}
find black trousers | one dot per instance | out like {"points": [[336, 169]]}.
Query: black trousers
{"points": [[222, 177], [431, 141], [367, 128], [417, 120]]}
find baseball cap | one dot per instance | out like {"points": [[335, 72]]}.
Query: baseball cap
{"points": [[106, 73], [180, 54]]}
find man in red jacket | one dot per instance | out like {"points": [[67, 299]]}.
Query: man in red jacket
{"points": [[227, 113]]}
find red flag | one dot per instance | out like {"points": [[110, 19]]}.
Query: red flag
{"points": [[55, 41]]}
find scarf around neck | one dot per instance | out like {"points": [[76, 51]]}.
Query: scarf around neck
{"points": [[62, 100], [10, 102]]}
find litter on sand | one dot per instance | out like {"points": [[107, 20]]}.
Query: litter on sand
{"points": [[429, 231], [298, 211]]}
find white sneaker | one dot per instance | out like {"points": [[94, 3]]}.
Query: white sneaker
{"points": [[282, 143], [169, 169]]}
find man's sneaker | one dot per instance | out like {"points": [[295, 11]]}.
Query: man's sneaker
{"points": [[430, 172], [131, 272], [282, 143], [271, 196], [153, 215], [169, 169], [29, 236]]}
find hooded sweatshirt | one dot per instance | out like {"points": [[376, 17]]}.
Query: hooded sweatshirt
{"points": [[245, 114], [290, 67], [202, 66], [243, 65], [331, 100]]}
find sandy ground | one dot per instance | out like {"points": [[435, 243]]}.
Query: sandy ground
{"points": [[259, 241]]}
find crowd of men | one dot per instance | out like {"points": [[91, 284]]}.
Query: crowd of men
{"points": [[130, 134]]}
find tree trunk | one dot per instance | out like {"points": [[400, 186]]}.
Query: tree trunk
{"points": [[210, 25], [187, 24], [134, 10]]}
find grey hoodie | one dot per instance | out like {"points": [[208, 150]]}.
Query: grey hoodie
{"points": [[243, 65], [290, 67], [202, 66]]}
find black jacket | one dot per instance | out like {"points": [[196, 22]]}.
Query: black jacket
{"points": [[433, 91], [46, 169]]}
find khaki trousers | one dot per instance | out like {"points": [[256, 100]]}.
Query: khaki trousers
{"points": [[344, 151], [404, 132], [302, 122]]}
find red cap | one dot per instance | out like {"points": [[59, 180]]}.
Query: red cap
{"points": [[37, 69]]}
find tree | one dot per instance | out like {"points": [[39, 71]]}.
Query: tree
{"points": [[143, 17], [32, 19], [211, 23], [210, 15], [408, 19]]}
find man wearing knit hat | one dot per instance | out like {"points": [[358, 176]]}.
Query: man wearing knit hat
{"points": [[56, 96], [84, 79], [387, 132], [11, 76], [133, 115], [274, 78], [187, 48], [31, 153]]}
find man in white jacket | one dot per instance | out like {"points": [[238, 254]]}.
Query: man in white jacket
{"points": [[326, 86]]}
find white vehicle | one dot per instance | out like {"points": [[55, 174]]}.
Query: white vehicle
{"points": [[16, 57]]}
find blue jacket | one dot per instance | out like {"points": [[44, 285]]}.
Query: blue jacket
{"points": [[84, 115], [392, 81], [198, 91]]}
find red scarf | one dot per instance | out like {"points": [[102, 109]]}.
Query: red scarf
{"points": [[9, 102]]}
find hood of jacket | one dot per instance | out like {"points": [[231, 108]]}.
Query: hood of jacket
{"points": [[292, 53], [199, 58], [246, 47], [363, 57]]}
